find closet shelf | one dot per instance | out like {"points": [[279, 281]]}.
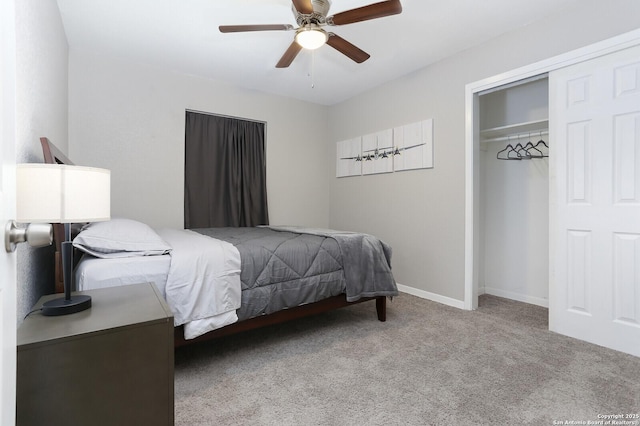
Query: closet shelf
{"points": [[503, 132]]}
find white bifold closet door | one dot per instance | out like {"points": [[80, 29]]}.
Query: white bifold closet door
{"points": [[595, 201]]}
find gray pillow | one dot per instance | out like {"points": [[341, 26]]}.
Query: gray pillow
{"points": [[120, 237]]}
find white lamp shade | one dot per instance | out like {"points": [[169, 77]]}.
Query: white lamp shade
{"points": [[56, 193], [311, 38]]}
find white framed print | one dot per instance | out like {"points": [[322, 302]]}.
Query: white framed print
{"points": [[349, 157], [377, 152], [413, 146]]}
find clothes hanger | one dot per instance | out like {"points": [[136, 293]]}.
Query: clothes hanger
{"points": [[520, 149], [509, 149], [529, 146], [500, 152], [543, 143]]}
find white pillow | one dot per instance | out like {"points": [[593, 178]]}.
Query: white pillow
{"points": [[120, 237]]}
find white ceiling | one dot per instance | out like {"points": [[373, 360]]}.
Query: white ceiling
{"points": [[183, 36]]}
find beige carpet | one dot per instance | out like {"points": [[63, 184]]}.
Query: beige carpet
{"points": [[429, 364]]}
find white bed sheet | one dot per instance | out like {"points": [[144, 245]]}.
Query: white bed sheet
{"points": [[222, 267], [92, 272], [203, 287]]}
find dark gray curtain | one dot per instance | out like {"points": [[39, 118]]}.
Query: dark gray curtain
{"points": [[224, 173]]}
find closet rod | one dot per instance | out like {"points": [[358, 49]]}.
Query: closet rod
{"points": [[516, 136]]}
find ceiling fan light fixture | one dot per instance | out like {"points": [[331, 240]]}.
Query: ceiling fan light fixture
{"points": [[311, 37]]}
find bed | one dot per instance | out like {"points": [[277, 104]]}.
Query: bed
{"points": [[263, 275]]}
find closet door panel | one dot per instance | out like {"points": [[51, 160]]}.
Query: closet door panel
{"points": [[578, 162], [579, 260], [627, 159], [627, 80], [627, 279], [595, 191]]}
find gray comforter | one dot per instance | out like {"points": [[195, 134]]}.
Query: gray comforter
{"points": [[285, 267]]}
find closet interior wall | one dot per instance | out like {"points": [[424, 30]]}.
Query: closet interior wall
{"points": [[514, 195]]}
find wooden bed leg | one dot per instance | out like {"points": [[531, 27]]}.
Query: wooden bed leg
{"points": [[381, 308]]}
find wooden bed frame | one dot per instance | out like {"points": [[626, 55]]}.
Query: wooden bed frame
{"points": [[52, 155]]}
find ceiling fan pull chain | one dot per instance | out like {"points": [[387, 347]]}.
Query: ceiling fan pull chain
{"points": [[313, 65]]}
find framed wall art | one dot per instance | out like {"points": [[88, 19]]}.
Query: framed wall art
{"points": [[414, 144], [407, 147], [349, 158]]}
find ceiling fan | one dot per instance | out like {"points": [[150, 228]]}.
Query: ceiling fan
{"points": [[311, 16]]}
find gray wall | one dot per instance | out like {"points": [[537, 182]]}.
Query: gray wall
{"points": [[130, 118], [41, 110], [421, 213]]}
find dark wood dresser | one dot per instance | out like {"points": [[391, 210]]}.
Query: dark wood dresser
{"points": [[109, 365]]}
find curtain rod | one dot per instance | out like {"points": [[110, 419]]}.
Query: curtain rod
{"points": [[225, 116]]}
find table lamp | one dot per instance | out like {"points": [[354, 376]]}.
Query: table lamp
{"points": [[57, 193]]}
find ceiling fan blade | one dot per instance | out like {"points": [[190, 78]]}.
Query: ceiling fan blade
{"points": [[243, 28], [346, 48], [303, 6], [365, 13], [289, 55]]}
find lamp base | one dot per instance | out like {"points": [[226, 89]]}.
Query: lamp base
{"points": [[62, 306]]}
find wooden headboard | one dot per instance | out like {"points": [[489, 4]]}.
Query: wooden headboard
{"points": [[52, 155]]}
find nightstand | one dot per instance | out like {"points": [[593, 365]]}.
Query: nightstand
{"points": [[109, 365]]}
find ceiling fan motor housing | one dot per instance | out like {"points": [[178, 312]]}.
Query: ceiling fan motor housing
{"points": [[320, 11], [321, 6]]}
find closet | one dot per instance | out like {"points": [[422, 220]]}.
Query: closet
{"points": [[560, 231], [513, 259]]}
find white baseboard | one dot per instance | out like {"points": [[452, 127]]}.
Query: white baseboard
{"points": [[431, 296], [517, 296]]}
